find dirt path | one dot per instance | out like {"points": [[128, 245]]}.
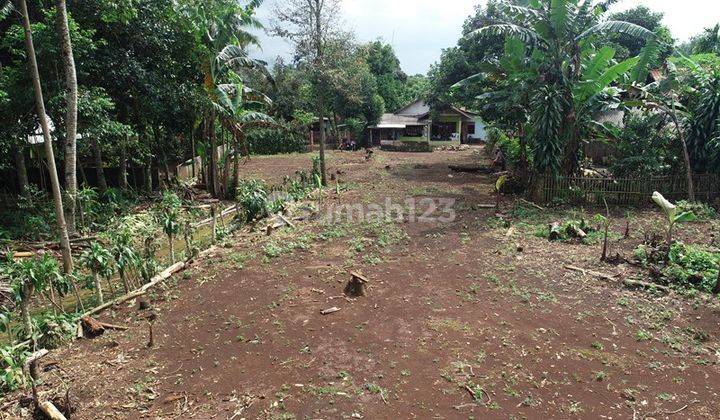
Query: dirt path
{"points": [[459, 322]]}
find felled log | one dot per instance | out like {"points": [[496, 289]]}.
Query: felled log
{"points": [[51, 411], [555, 231], [471, 168], [576, 231], [167, 273], [626, 282], [357, 286], [645, 285], [330, 311]]}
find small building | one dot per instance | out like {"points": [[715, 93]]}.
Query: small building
{"points": [[417, 122]]}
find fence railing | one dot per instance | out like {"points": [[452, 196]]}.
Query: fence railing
{"points": [[625, 191]]}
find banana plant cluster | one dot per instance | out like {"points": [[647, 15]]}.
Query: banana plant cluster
{"points": [[555, 75]]}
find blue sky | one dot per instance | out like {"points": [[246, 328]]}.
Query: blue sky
{"points": [[420, 29]]}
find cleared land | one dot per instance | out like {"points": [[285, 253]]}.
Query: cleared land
{"points": [[463, 319]]}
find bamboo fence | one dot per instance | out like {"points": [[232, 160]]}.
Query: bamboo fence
{"points": [[625, 191]]}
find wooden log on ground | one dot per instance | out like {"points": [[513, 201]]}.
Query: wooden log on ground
{"points": [[645, 285], [576, 231], [471, 168], [626, 282], [51, 411], [555, 231], [167, 273], [597, 274], [35, 357]]}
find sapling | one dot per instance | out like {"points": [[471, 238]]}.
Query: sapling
{"points": [[499, 184], [27, 277], [99, 261], [673, 214], [605, 223], [169, 219], [123, 253]]}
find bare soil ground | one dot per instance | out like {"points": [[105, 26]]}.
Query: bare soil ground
{"points": [[463, 319]]}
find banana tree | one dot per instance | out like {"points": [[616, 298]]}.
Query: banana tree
{"points": [[222, 28], [239, 109], [673, 214], [560, 34]]}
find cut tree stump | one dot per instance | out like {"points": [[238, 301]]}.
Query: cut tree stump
{"points": [[357, 286], [91, 327]]}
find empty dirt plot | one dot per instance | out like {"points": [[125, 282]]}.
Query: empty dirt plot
{"points": [[474, 316]]}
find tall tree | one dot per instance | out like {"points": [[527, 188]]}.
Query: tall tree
{"points": [[310, 25], [50, 155], [71, 114]]}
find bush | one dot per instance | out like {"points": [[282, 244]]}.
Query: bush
{"points": [[510, 146], [643, 149], [284, 138], [692, 265], [252, 196]]}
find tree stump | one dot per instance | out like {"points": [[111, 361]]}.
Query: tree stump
{"points": [[357, 286], [91, 327]]}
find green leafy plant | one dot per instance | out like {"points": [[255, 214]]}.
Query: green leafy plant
{"points": [[252, 196], [27, 277], [98, 260], [121, 247], [674, 215], [169, 219]]}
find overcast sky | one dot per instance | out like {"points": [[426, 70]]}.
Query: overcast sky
{"points": [[420, 29]]}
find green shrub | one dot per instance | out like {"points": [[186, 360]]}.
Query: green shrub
{"points": [[283, 138], [252, 196], [701, 210], [510, 146], [692, 265]]}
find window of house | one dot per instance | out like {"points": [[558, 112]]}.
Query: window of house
{"points": [[413, 131], [471, 128]]}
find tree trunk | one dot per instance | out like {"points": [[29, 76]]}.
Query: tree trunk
{"points": [[320, 85], [98, 288], [99, 170], [192, 151], [147, 177], [25, 312], [123, 277], [686, 155], [236, 162], [172, 249], [22, 176], [40, 104], [71, 116], [123, 166], [213, 164]]}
